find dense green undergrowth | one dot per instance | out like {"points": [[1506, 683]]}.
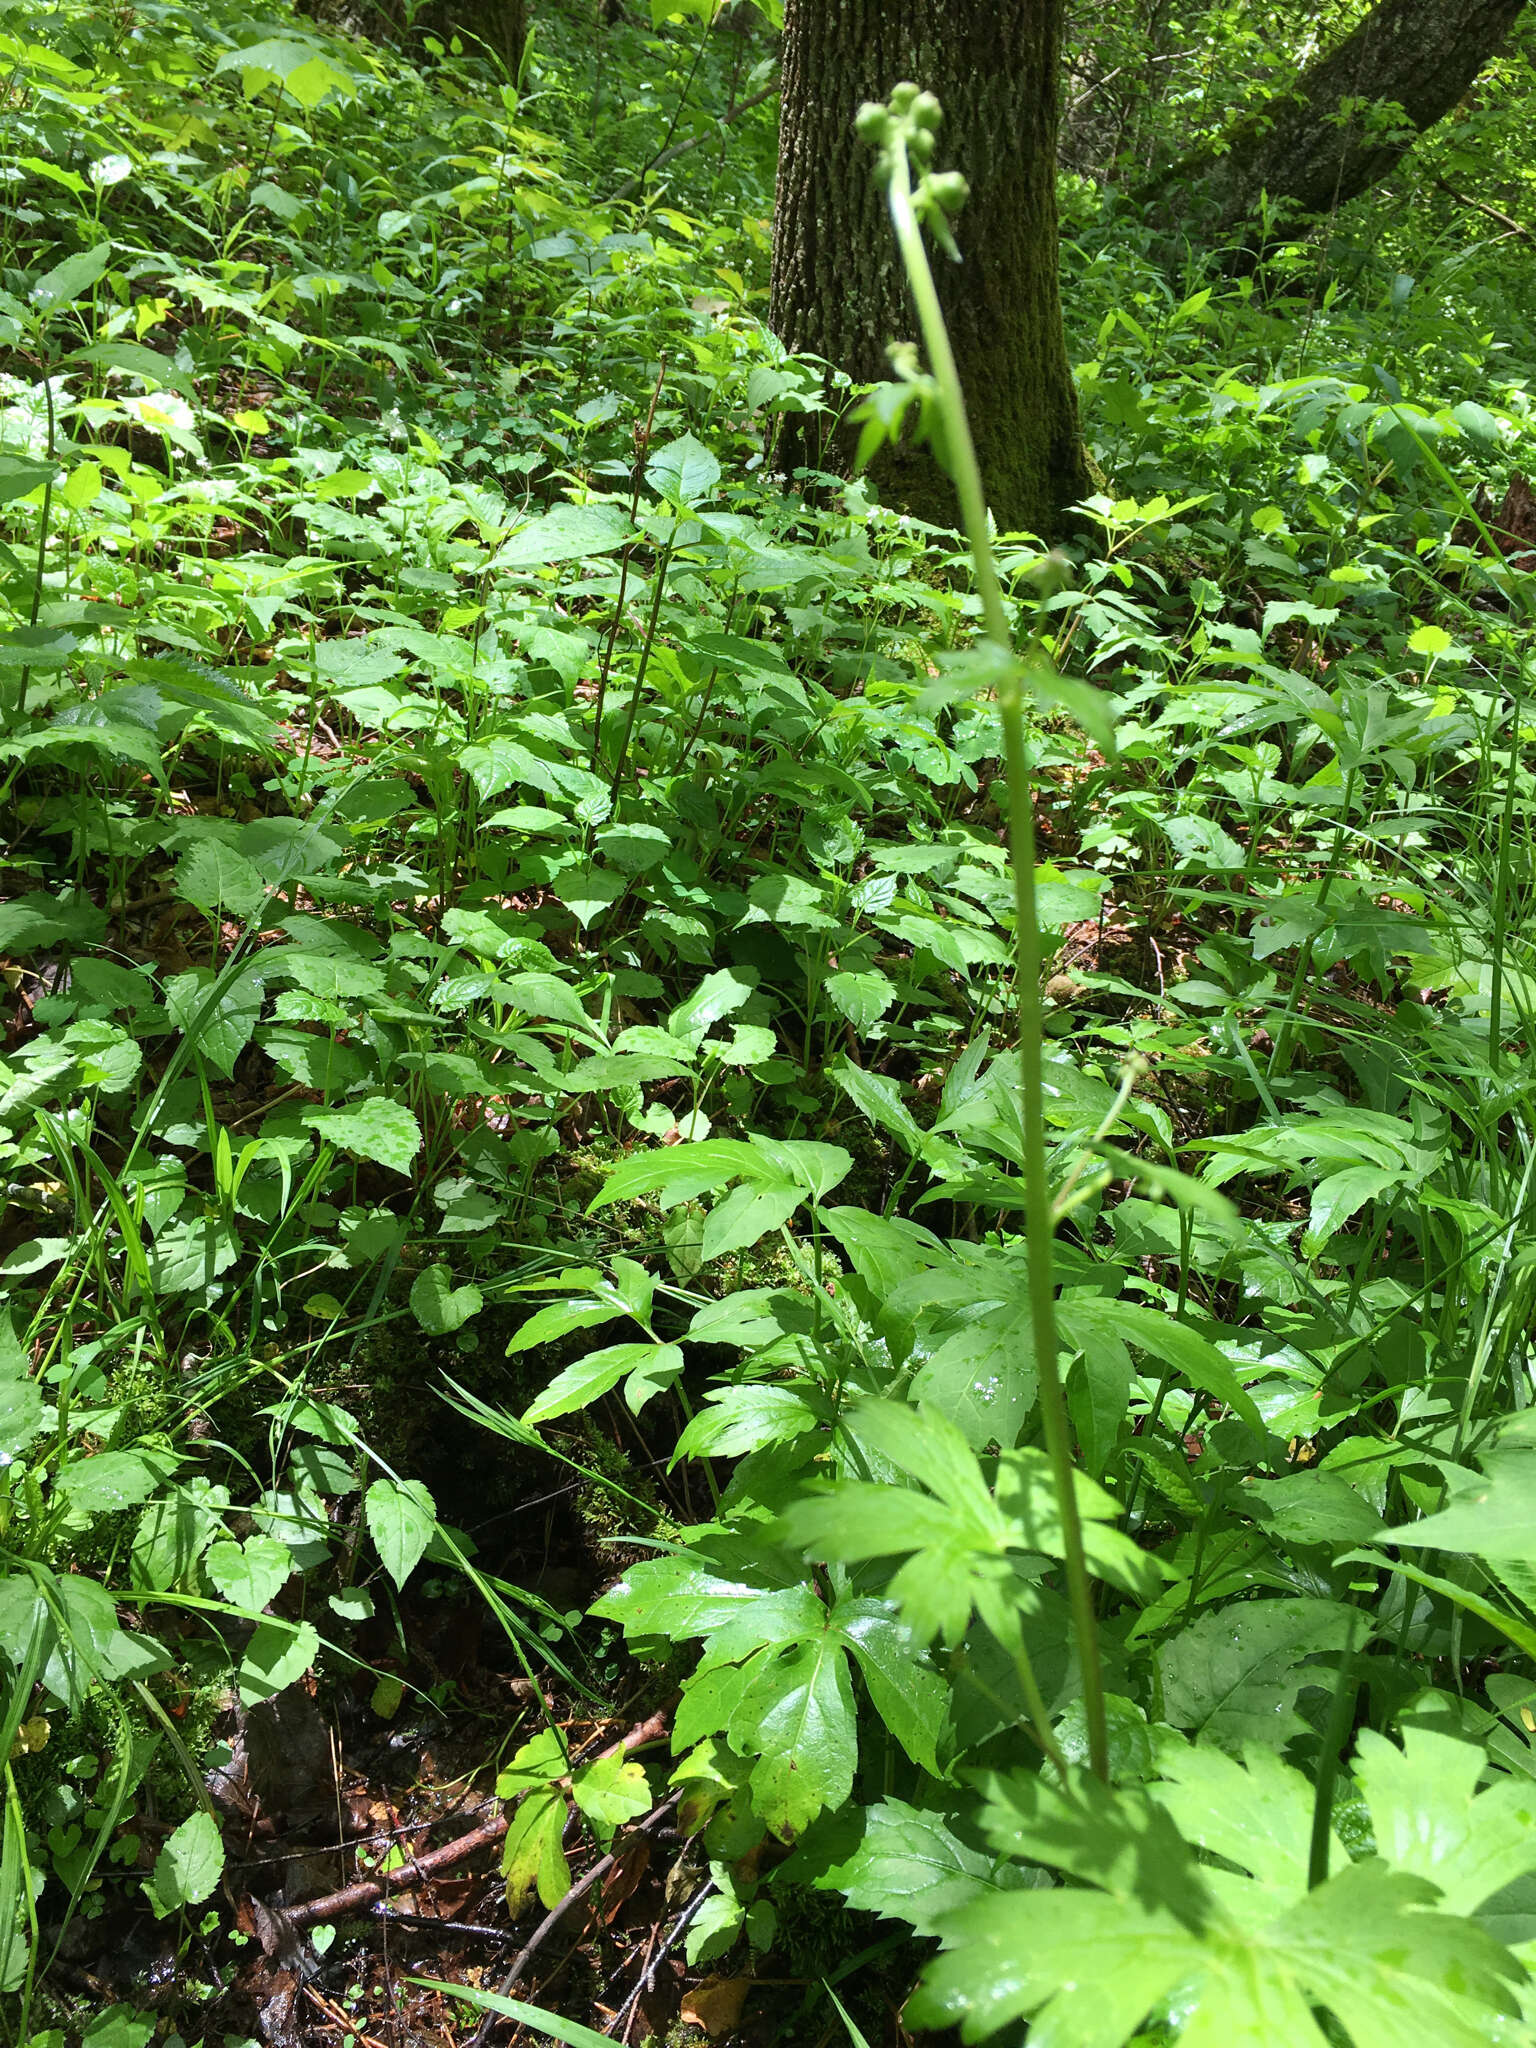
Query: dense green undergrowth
{"points": [[508, 940]]}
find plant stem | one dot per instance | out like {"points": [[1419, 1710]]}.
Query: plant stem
{"points": [[645, 660], [1039, 1222], [642, 444]]}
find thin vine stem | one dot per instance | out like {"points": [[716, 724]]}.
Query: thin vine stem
{"points": [[965, 472]]}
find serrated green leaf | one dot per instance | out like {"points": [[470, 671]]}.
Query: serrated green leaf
{"points": [[215, 879], [610, 1791], [189, 1867], [401, 1519], [797, 1717], [379, 1129], [683, 471], [1234, 1674], [898, 1860], [251, 1573]]}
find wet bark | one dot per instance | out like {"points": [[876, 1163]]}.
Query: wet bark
{"points": [[1333, 136], [837, 289]]}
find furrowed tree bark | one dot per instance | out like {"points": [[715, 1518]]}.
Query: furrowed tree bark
{"points": [[1334, 135], [837, 290]]}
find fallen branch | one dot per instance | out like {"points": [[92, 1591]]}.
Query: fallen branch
{"points": [[667, 156], [1505, 220], [276, 1926]]}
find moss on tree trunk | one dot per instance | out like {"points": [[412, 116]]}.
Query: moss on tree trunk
{"points": [[837, 291]]}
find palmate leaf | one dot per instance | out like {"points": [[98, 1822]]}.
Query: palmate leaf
{"points": [[1235, 1674], [773, 1176], [776, 1678], [903, 1862], [1252, 1953], [961, 1535]]}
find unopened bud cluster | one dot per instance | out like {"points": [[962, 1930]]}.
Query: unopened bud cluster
{"points": [[907, 126]]}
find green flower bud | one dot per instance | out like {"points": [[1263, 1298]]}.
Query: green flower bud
{"points": [[926, 111], [904, 96], [949, 190], [872, 123]]}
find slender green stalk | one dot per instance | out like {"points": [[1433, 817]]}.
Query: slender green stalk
{"points": [[965, 471], [651, 624]]}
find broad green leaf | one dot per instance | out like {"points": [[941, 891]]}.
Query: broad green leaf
{"points": [[218, 880], [189, 1867], [983, 1378], [718, 995], [610, 1791], [1234, 1674], [1429, 640], [1175, 1343], [302, 69], [880, 1100], [899, 1860], [21, 1398], [278, 1655], [1311, 1507], [569, 533], [62, 285], [1494, 1517], [220, 1026], [1253, 1957], [401, 1519], [531, 1857], [797, 1717], [559, 1318], [683, 471], [907, 1693], [438, 1305], [861, 996], [680, 1173], [190, 1255], [1428, 1816], [251, 1573], [379, 1129], [587, 891], [706, 1593], [746, 1214], [115, 1479], [21, 475], [597, 1374]]}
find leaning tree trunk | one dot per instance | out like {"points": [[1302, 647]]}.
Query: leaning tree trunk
{"points": [[837, 289], [1335, 134]]}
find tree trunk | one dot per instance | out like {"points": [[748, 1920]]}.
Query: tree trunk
{"points": [[1333, 136], [837, 289], [499, 27]]}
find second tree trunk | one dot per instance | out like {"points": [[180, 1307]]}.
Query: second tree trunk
{"points": [[838, 291]]}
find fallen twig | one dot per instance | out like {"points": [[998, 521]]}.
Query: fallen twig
{"points": [[647, 1976], [557, 1913], [1505, 220], [276, 1926]]}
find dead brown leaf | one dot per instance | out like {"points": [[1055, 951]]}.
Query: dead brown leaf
{"points": [[715, 2005]]}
